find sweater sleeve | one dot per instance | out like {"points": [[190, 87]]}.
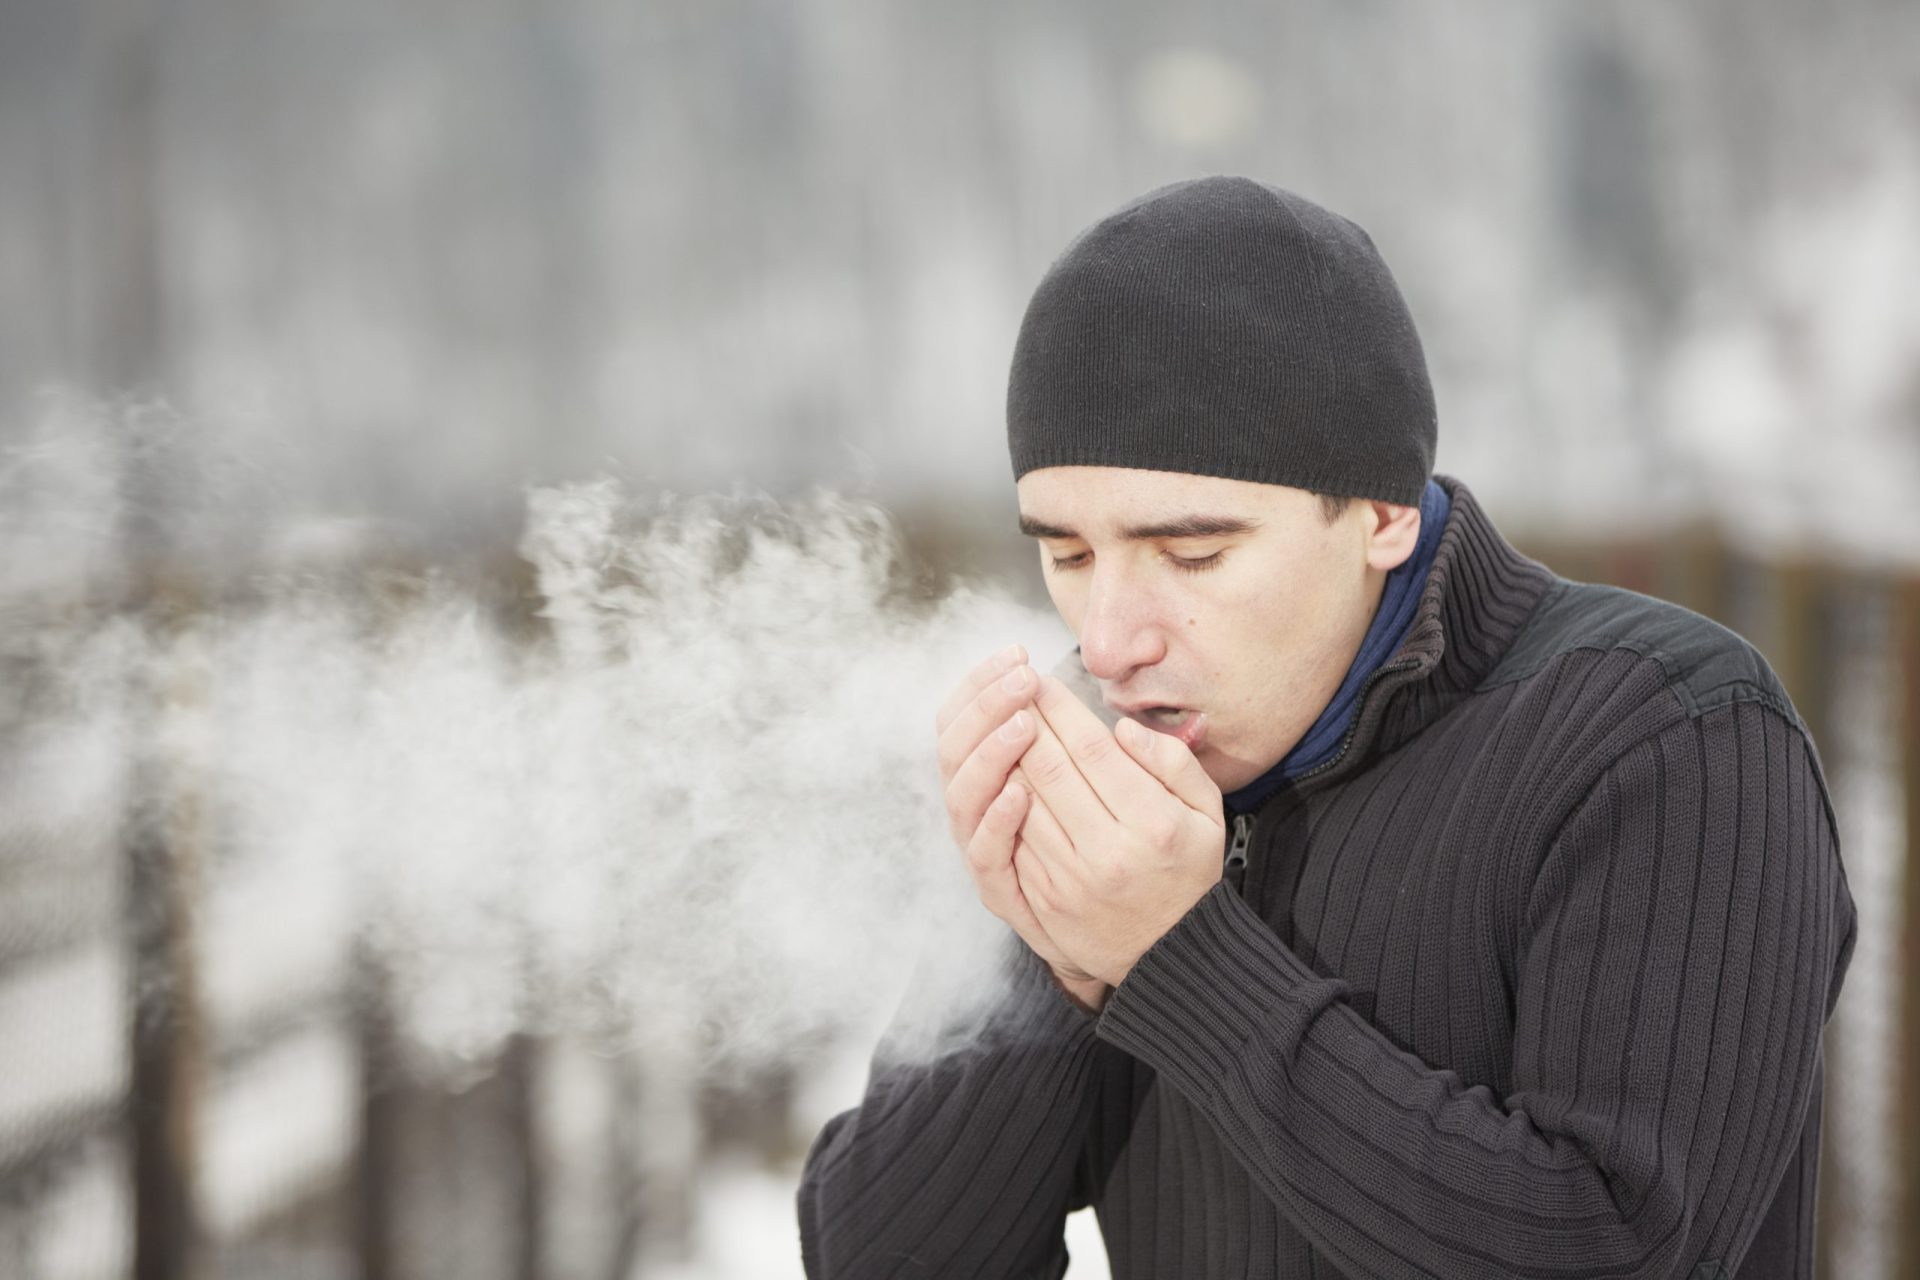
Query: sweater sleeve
{"points": [[965, 1166], [1684, 940]]}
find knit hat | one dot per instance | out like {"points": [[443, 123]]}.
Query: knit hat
{"points": [[1224, 327]]}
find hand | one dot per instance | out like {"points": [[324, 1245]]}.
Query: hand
{"points": [[984, 811], [1123, 835]]}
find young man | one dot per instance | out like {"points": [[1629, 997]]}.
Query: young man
{"points": [[1447, 918]]}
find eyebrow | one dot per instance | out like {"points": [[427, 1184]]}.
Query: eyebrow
{"points": [[1188, 526]]}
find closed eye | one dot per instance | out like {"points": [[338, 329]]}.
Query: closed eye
{"points": [[1200, 565], [1184, 564]]}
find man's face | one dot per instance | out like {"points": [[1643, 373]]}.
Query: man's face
{"points": [[1201, 594]]}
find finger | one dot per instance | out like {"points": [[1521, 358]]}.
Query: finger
{"points": [[1114, 775], [977, 679], [987, 712], [977, 782], [1058, 779], [1036, 882], [1168, 759], [990, 857], [1041, 829]]}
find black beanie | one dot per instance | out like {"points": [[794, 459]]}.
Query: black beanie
{"points": [[1224, 327]]}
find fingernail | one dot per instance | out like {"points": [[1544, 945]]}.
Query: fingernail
{"points": [[1008, 656], [1015, 680], [1140, 738], [1015, 728]]}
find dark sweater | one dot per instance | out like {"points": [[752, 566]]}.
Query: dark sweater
{"points": [[1528, 980]]}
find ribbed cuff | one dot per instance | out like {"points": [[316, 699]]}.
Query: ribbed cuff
{"points": [[1042, 1002], [1191, 1003]]}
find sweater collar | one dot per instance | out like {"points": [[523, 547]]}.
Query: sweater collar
{"points": [[1478, 595]]}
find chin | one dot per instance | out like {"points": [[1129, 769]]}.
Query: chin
{"points": [[1228, 775]]}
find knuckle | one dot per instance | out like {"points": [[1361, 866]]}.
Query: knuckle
{"points": [[963, 756], [1044, 897], [1047, 771], [965, 825], [980, 859], [987, 848], [1095, 748], [953, 800], [1162, 831]]}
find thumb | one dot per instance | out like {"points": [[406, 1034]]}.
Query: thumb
{"points": [[1168, 759]]}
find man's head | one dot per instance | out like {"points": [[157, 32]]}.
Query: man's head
{"points": [[1222, 350], [1229, 597]]}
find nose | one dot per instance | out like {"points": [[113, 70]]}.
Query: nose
{"points": [[1120, 631]]}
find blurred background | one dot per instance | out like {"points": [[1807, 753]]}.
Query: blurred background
{"points": [[492, 494]]}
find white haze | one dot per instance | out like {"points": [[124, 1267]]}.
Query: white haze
{"points": [[699, 805]]}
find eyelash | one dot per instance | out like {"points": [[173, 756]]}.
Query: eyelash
{"points": [[1200, 565]]}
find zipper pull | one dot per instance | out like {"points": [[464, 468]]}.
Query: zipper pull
{"points": [[1236, 868]]}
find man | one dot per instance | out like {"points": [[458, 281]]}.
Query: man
{"points": [[1448, 918]]}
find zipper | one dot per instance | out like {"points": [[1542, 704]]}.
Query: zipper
{"points": [[1236, 859], [1236, 867]]}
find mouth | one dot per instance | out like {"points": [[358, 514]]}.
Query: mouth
{"points": [[1184, 723]]}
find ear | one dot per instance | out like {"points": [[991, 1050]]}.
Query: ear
{"points": [[1391, 532]]}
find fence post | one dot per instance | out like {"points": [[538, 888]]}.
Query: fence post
{"points": [[519, 1072], [1803, 596], [129, 347], [164, 1020], [376, 1173], [1906, 1144]]}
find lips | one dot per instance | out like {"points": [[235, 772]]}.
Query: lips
{"points": [[1184, 723]]}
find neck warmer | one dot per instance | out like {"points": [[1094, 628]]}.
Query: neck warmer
{"points": [[1391, 620]]}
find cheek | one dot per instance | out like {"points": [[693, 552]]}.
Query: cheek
{"points": [[1264, 612], [1262, 636], [1314, 586], [1067, 602]]}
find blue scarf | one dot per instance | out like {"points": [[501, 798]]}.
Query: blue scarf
{"points": [[1391, 621]]}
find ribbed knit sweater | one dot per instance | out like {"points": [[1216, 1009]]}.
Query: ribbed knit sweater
{"points": [[1528, 980]]}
